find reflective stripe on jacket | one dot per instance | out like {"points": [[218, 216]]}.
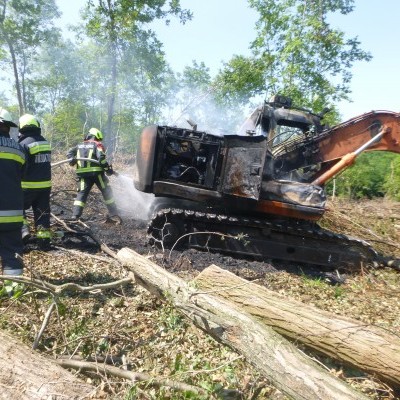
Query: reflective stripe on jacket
{"points": [[12, 160], [38, 170], [89, 149]]}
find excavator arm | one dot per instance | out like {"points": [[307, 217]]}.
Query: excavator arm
{"points": [[324, 155]]}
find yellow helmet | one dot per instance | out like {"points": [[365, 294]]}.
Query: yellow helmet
{"points": [[5, 118], [28, 121], [94, 133]]}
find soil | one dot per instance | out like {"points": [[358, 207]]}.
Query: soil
{"points": [[149, 335]]}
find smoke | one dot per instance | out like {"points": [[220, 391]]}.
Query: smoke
{"points": [[131, 203], [200, 107]]}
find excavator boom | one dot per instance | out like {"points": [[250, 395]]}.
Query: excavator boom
{"points": [[335, 149]]}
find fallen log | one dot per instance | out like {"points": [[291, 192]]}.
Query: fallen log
{"points": [[368, 348], [27, 375], [282, 363]]}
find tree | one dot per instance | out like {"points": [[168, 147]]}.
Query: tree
{"points": [[118, 25], [368, 177], [24, 26], [58, 74], [392, 181], [296, 53]]}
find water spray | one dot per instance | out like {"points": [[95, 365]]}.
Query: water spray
{"points": [[134, 203]]}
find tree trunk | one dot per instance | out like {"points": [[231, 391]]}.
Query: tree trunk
{"points": [[26, 375], [368, 348], [21, 103], [110, 140], [287, 368]]}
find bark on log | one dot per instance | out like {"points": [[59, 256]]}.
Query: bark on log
{"points": [[288, 369], [369, 348], [27, 375]]}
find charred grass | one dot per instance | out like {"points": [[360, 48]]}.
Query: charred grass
{"points": [[128, 327]]}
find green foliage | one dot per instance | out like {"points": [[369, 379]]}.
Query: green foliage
{"points": [[65, 127], [12, 289], [118, 27], [296, 53], [170, 318], [24, 27], [58, 75], [392, 179], [244, 75], [369, 177]]}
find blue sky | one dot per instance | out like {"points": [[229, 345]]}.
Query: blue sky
{"points": [[222, 28]]}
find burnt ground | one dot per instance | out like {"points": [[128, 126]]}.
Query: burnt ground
{"points": [[149, 334], [134, 209], [132, 233]]}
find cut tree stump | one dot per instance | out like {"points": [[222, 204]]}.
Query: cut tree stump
{"points": [[368, 348], [27, 375], [276, 358]]}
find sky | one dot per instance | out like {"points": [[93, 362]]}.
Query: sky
{"points": [[223, 28]]}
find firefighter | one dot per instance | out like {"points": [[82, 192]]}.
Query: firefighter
{"points": [[36, 182], [90, 173], [12, 161]]}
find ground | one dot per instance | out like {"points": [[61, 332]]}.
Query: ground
{"points": [[137, 330]]}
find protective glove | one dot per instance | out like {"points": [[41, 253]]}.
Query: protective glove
{"points": [[109, 171], [72, 162]]}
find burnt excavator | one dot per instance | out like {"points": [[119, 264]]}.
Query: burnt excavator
{"points": [[259, 192]]}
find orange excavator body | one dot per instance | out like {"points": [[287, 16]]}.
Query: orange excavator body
{"points": [[266, 180]]}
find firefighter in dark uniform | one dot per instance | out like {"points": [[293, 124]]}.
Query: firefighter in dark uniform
{"points": [[36, 182], [92, 173], [12, 161]]}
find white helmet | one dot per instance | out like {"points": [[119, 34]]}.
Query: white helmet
{"points": [[5, 118]]}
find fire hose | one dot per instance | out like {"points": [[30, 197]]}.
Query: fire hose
{"points": [[68, 160]]}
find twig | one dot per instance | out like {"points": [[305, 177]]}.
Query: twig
{"points": [[45, 322], [101, 244], [58, 289], [132, 376], [206, 371], [108, 359], [87, 255], [237, 237]]}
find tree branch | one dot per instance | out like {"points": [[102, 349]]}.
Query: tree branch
{"points": [[132, 376]]}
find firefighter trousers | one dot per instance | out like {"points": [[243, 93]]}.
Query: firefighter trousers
{"points": [[85, 184], [39, 200], [10, 248]]}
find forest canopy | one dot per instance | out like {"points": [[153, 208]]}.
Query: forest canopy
{"points": [[111, 72]]}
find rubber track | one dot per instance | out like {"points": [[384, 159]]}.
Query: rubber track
{"points": [[287, 228]]}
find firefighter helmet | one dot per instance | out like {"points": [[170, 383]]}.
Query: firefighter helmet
{"points": [[5, 118], [95, 134], [28, 121]]}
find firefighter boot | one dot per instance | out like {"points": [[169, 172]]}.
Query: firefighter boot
{"points": [[113, 219], [116, 219], [43, 236], [26, 234]]}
